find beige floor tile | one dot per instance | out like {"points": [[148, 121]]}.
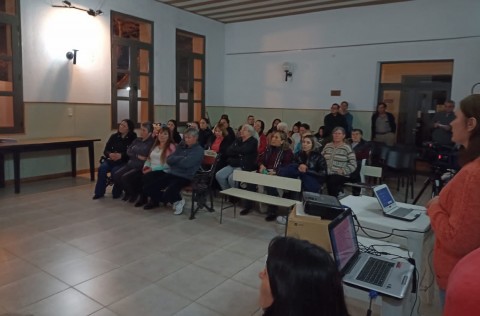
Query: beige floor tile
{"points": [[190, 250], [191, 281], [250, 247], [33, 243], [150, 301], [112, 286], [155, 266], [31, 289], [57, 253], [124, 253], [249, 275], [104, 312], [6, 255], [231, 298], [195, 309], [67, 303], [224, 262], [14, 270]]}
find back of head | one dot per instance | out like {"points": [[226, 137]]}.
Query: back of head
{"points": [[470, 107], [304, 280]]}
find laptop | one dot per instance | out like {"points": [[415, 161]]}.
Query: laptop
{"points": [[390, 207], [366, 271]]}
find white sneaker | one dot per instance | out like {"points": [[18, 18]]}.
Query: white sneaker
{"points": [[179, 207], [282, 220]]}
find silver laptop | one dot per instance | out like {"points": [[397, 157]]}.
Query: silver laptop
{"points": [[366, 271], [390, 207]]}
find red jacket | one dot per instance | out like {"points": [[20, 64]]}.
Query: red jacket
{"points": [[455, 219]]}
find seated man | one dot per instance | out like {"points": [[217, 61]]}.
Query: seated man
{"points": [[361, 148], [183, 163]]}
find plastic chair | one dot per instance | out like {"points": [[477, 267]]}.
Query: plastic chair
{"points": [[201, 185]]}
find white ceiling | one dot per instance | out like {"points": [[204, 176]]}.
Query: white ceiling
{"points": [[229, 11]]}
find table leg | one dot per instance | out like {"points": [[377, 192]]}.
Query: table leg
{"points": [[91, 156], [16, 171], [73, 160], [2, 171]]}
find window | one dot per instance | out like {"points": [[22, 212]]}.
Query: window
{"points": [[190, 105], [132, 69], [11, 92]]}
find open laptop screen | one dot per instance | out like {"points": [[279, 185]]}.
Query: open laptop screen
{"points": [[385, 197], [343, 239]]}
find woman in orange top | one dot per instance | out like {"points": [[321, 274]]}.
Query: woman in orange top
{"points": [[455, 213]]}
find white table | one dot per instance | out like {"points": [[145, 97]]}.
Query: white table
{"points": [[387, 306], [416, 236]]}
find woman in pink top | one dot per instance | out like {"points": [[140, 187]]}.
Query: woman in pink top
{"points": [[455, 213]]}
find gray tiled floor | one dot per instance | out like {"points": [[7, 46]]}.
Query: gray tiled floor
{"points": [[62, 253]]}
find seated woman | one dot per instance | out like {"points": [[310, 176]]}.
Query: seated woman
{"points": [[308, 165], [219, 143], [115, 154], [129, 177], [341, 161], [300, 278], [156, 162], [172, 125], [272, 129], [259, 127], [278, 154], [320, 135], [204, 132], [242, 155], [231, 133]]}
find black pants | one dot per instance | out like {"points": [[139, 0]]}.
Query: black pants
{"points": [[335, 184], [127, 179], [163, 187]]}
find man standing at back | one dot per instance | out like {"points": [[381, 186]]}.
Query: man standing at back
{"points": [[334, 119], [251, 120], [442, 131], [348, 117]]}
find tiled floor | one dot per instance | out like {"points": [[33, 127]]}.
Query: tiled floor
{"points": [[61, 253]]}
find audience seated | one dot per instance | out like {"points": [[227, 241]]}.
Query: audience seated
{"points": [[303, 130], [295, 135], [320, 136], [341, 161], [183, 164], [308, 165], [156, 162], [277, 155], [259, 127], [300, 279], [129, 177], [172, 125], [231, 133], [283, 127], [242, 155], [114, 155], [272, 129]]}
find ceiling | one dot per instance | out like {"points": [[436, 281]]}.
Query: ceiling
{"points": [[229, 11]]}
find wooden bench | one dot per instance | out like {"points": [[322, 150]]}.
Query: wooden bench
{"points": [[264, 180]]}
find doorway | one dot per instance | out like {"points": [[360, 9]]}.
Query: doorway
{"points": [[132, 69], [414, 92]]}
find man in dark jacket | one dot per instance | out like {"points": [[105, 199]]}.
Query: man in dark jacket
{"points": [[334, 119]]}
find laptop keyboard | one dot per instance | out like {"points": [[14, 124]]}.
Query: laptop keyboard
{"points": [[401, 212], [375, 271]]}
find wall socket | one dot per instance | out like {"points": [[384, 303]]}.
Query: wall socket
{"points": [[70, 112]]}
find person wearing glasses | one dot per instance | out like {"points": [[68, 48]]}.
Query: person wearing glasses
{"points": [[114, 155]]}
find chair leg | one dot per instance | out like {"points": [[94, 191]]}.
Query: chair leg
{"points": [[192, 211], [221, 211]]}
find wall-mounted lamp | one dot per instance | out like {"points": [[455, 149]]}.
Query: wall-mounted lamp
{"points": [[68, 5], [73, 56], [287, 67]]}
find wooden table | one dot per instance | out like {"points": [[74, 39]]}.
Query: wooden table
{"points": [[29, 145]]}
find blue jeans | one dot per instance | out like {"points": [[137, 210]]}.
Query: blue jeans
{"points": [[224, 177], [104, 168]]}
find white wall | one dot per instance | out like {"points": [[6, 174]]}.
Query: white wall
{"points": [[48, 33], [342, 49]]}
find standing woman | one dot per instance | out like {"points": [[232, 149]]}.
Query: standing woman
{"points": [[156, 162], [114, 154], [204, 132], [341, 161], [172, 125], [259, 126], [455, 213], [383, 125]]}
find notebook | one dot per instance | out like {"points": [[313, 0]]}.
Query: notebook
{"points": [[366, 271], [390, 207]]}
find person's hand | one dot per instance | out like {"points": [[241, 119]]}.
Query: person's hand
{"points": [[340, 172], [115, 156], [302, 168], [146, 169], [141, 157], [436, 124], [261, 169], [434, 200]]}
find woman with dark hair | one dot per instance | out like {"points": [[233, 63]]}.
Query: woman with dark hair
{"points": [[295, 133], [383, 125], [259, 126], [231, 133], [454, 214], [219, 143], [300, 278], [172, 125], [114, 155], [204, 132], [273, 128], [129, 177], [308, 165], [341, 161], [278, 154], [320, 135]]}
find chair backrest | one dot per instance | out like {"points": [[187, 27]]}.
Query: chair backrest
{"points": [[371, 171], [398, 159], [267, 180]]}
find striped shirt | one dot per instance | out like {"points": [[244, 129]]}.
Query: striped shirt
{"points": [[339, 158]]}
